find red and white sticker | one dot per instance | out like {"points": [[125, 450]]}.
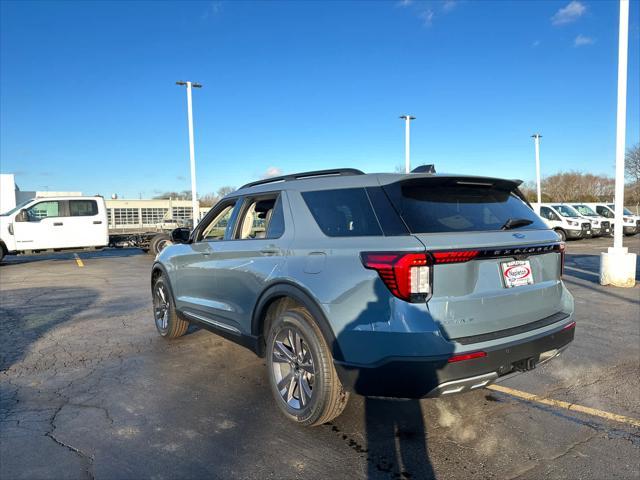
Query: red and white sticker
{"points": [[516, 273]]}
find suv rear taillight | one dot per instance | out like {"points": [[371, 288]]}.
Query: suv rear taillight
{"points": [[406, 275], [562, 246]]}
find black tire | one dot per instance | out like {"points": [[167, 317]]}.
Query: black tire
{"points": [[327, 397], [563, 235], [1, 253], [159, 242], [169, 326]]}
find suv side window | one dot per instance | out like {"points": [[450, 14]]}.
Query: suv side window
{"points": [[262, 218], [219, 224], [604, 212], [343, 213], [83, 208], [43, 210]]}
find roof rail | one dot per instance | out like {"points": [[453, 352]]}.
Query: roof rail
{"points": [[302, 175]]}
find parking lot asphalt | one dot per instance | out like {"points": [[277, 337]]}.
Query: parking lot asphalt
{"points": [[89, 390]]}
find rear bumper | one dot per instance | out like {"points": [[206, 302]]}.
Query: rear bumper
{"points": [[436, 376]]}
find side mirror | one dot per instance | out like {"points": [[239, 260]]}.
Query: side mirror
{"points": [[180, 235], [22, 216]]}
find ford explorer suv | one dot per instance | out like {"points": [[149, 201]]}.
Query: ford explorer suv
{"points": [[51, 224], [395, 285], [565, 221], [600, 226]]}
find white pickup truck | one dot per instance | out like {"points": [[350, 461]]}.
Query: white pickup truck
{"points": [[54, 224]]}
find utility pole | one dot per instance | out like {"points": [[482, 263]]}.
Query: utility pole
{"points": [[618, 265], [536, 140], [192, 157], [407, 142]]}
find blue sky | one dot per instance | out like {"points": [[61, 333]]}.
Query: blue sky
{"points": [[88, 99]]}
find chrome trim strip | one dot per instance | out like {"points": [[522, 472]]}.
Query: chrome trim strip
{"points": [[215, 323], [470, 383]]}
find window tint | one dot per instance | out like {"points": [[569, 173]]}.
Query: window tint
{"points": [[218, 226], [343, 213], [449, 205], [547, 213], [604, 211], [43, 210], [275, 228], [389, 219], [257, 219], [83, 208]]}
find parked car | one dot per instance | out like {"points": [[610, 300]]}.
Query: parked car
{"points": [[630, 225], [54, 224], [565, 221], [394, 285], [600, 226]]}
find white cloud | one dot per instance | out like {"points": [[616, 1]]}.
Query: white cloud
{"points": [[404, 3], [272, 172], [427, 17], [582, 40], [568, 14], [449, 5]]}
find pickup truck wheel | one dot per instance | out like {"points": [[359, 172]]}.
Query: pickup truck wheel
{"points": [[159, 243], [168, 324], [563, 236], [1, 253], [303, 379]]}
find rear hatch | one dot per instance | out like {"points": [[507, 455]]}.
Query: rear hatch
{"points": [[496, 265]]}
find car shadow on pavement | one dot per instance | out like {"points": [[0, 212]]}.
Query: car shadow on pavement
{"points": [[27, 314]]}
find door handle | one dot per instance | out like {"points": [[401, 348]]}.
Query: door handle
{"points": [[269, 252], [57, 224], [97, 222]]}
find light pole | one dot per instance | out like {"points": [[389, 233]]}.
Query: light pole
{"points": [[618, 265], [192, 157], [407, 141], [536, 140]]}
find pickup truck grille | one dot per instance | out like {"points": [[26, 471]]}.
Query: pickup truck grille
{"points": [[586, 226], [604, 224]]}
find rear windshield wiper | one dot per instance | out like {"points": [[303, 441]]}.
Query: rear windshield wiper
{"points": [[515, 223]]}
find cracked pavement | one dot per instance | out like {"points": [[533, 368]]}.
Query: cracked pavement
{"points": [[89, 390]]}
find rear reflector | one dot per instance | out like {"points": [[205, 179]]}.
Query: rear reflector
{"points": [[562, 247], [569, 326], [466, 356]]}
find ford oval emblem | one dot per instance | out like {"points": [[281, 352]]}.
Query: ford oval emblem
{"points": [[519, 235]]}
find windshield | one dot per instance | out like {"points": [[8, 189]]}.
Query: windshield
{"points": [[16, 208], [586, 211], [566, 211], [625, 210]]}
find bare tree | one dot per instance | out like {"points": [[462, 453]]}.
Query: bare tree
{"points": [[632, 173], [224, 191]]}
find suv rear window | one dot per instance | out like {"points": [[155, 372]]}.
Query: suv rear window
{"points": [[343, 213], [455, 205]]}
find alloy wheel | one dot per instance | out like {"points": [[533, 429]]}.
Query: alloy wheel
{"points": [[293, 368]]}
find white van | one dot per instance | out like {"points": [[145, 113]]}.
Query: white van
{"points": [[630, 225], [53, 224], [565, 221], [600, 225]]}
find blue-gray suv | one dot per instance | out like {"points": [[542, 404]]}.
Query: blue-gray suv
{"points": [[393, 285]]}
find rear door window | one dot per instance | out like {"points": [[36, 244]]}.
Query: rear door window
{"points": [[451, 205], [83, 208], [343, 213]]}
